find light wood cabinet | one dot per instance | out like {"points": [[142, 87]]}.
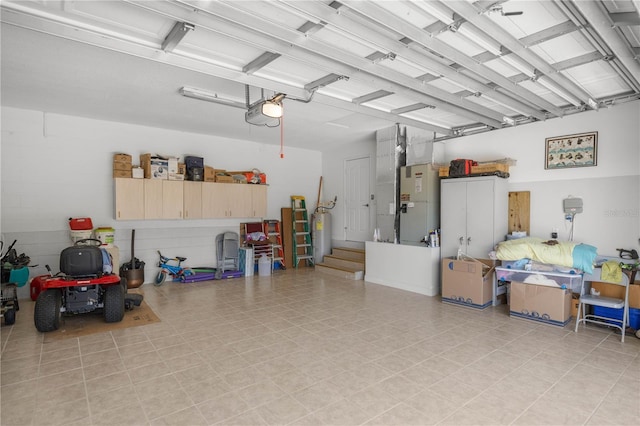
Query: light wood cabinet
{"points": [[214, 203], [259, 200], [129, 199], [172, 199], [164, 199], [152, 199], [220, 200], [192, 200]]}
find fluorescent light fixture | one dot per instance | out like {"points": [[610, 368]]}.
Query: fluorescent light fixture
{"points": [[519, 64], [175, 36], [555, 88], [203, 95], [480, 39], [593, 104]]}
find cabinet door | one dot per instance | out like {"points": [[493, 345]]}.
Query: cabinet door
{"points": [[453, 216], [480, 218], [172, 194], [129, 198], [214, 200], [239, 196], [258, 200], [153, 198], [192, 200]]}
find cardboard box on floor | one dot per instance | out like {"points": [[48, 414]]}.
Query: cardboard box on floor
{"points": [[541, 303], [617, 291], [467, 282]]}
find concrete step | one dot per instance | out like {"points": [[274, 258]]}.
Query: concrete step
{"points": [[348, 253], [341, 262], [347, 273]]}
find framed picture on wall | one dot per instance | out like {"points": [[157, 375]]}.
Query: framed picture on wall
{"points": [[579, 150]]}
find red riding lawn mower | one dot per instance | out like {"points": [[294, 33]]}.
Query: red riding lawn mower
{"points": [[85, 283]]}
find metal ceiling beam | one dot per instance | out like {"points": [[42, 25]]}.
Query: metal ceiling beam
{"points": [[175, 36], [371, 96], [324, 81], [359, 109], [410, 108], [471, 14], [602, 24], [423, 40], [248, 36], [624, 19], [549, 34], [18, 15], [269, 36], [345, 21], [260, 62], [577, 61]]}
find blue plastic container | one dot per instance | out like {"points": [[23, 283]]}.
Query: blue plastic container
{"points": [[19, 276], [634, 315]]}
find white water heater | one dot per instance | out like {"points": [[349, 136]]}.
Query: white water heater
{"points": [[321, 235]]}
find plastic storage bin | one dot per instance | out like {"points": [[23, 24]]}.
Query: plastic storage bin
{"points": [[634, 315], [264, 266], [563, 280]]}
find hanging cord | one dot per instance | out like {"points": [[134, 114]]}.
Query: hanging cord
{"points": [[282, 133]]}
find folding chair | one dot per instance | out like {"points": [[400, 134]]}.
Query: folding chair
{"points": [[587, 299], [227, 247]]}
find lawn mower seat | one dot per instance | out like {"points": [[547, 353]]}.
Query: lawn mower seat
{"points": [[81, 261]]}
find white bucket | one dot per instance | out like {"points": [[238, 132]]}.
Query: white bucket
{"points": [[80, 235], [105, 235], [264, 266]]}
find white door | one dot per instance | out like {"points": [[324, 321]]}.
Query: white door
{"points": [[357, 200]]}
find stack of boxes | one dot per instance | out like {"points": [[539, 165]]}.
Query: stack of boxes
{"points": [[122, 166], [156, 167]]}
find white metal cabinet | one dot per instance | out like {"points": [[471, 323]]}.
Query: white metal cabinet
{"points": [[473, 215]]}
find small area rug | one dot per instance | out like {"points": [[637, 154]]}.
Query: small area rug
{"points": [[93, 322]]}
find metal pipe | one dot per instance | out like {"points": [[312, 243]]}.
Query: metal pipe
{"points": [[604, 27]]}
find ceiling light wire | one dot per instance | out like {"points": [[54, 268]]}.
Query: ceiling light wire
{"points": [[282, 133]]}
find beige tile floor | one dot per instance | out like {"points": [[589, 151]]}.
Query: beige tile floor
{"points": [[304, 348]]}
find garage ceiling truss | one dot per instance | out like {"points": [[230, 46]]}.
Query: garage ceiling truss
{"points": [[450, 67]]}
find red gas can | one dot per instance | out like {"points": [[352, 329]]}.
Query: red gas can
{"points": [[80, 224]]}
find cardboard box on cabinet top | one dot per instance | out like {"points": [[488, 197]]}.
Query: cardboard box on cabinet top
{"points": [[468, 282], [541, 303]]}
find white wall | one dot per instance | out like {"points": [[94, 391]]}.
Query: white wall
{"points": [[55, 167], [611, 190]]}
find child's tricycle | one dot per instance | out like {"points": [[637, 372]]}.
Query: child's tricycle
{"points": [[178, 272]]}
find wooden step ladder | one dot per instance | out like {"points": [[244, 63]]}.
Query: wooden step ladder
{"points": [[272, 231], [302, 246]]}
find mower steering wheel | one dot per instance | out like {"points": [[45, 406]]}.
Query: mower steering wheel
{"points": [[88, 242]]}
